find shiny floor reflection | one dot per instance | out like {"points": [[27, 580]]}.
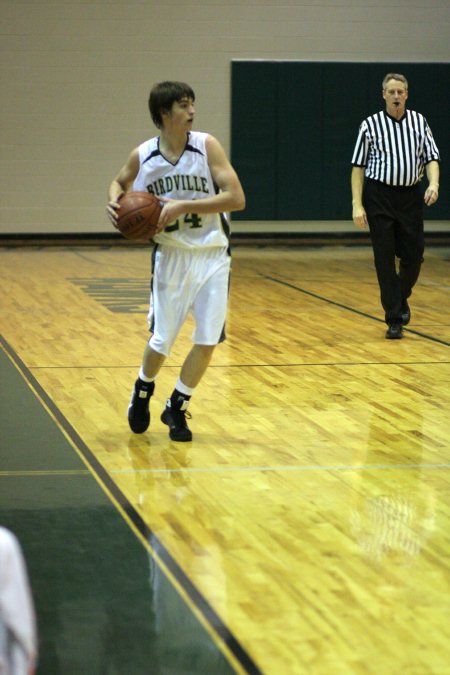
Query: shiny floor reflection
{"points": [[103, 604]]}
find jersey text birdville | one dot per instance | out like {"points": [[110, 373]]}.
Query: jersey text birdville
{"points": [[178, 182]]}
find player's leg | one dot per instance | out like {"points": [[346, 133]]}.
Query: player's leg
{"points": [[176, 410], [209, 310], [196, 363], [144, 387], [168, 311]]}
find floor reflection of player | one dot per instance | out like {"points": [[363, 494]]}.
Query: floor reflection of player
{"points": [[181, 645], [394, 511], [147, 468]]}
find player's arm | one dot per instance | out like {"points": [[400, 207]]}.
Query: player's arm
{"points": [[358, 213], [230, 198], [121, 184]]}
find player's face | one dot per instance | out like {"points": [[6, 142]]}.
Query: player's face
{"points": [[395, 95], [181, 115]]}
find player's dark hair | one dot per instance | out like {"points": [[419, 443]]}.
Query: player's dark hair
{"points": [[162, 97]]}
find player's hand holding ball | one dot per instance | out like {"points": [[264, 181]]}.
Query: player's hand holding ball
{"points": [[136, 215]]}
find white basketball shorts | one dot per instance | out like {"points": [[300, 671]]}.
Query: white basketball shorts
{"points": [[188, 282]]}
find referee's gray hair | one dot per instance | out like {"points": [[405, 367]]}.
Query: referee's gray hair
{"points": [[394, 76]]}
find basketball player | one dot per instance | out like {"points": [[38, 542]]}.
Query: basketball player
{"points": [[394, 148], [193, 178]]}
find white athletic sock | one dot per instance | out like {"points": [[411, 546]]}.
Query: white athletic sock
{"points": [[144, 377], [183, 389]]}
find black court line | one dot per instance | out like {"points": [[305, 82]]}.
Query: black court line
{"points": [[197, 599], [350, 309]]}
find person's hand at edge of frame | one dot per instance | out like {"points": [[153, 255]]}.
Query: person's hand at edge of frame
{"points": [[431, 195]]}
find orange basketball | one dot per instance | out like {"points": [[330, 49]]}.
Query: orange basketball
{"points": [[138, 215]]}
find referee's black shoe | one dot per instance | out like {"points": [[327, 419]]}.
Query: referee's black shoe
{"points": [[394, 331], [176, 421], [406, 312], [138, 410]]}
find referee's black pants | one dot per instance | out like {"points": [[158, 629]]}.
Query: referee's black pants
{"points": [[395, 216]]}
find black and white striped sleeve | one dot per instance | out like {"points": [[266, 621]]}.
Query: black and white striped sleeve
{"points": [[361, 151], [430, 150]]}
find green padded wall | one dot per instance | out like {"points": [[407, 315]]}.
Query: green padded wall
{"points": [[294, 125]]}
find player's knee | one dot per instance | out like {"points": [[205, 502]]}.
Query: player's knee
{"points": [[158, 344]]}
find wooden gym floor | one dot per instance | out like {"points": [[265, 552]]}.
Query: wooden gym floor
{"points": [[305, 530]]}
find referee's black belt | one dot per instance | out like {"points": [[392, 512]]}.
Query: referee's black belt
{"points": [[400, 188]]}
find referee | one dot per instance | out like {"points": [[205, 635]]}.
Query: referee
{"points": [[393, 150]]}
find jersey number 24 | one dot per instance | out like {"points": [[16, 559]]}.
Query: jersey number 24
{"points": [[191, 219]]}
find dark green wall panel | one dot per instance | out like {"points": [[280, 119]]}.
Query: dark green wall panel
{"points": [[298, 189], [255, 126], [294, 126]]}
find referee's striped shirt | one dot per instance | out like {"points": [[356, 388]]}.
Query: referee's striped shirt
{"points": [[393, 151]]}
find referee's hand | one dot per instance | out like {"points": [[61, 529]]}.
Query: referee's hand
{"points": [[431, 195], [360, 217]]}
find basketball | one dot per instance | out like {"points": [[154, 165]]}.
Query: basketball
{"points": [[138, 215]]}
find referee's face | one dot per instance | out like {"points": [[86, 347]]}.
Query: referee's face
{"points": [[395, 94]]}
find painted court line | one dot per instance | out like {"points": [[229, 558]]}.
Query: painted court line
{"points": [[349, 309], [300, 469]]}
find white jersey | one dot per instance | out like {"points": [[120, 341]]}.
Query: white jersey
{"points": [[189, 178]]}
